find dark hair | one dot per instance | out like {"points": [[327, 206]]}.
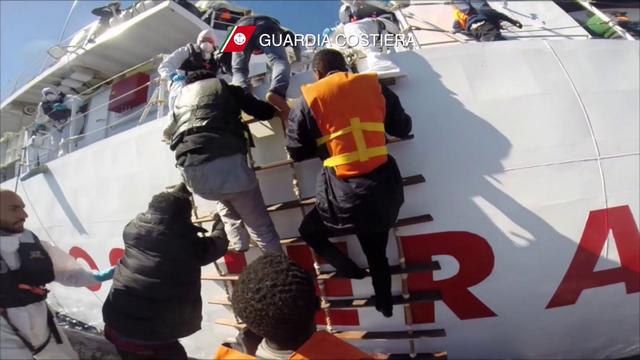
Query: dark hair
{"points": [[175, 204], [277, 300], [327, 60]]}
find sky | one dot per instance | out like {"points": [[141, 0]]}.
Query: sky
{"points": [[29, 28]]}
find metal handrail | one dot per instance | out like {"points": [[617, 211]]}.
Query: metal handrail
{"points": [[118, 122], [76, 117]]}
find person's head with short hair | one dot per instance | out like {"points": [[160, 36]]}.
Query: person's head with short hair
{"points": [[277, 300], [326, 61], [12, 214], [175, 204]]}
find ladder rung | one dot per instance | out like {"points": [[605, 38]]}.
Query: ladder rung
{"points": [[292, 204], [421, 297], [288, 161], [414, 220], [395, 270], [363, 335], [425, 296], [220, 301], [413, 180], [391, 80], [390, 335], [230, 322], [203, 219], [441, 355], [228, 277], [273, 165]]}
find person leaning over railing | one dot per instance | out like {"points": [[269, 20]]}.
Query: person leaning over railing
{"points": [[189, 60], [483, 24]]}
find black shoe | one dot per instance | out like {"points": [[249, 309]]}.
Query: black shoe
{"points": [[384, 307], [385, 311], [358, 274]]}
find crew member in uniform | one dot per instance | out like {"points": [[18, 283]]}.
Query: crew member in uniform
{"points": [[27, 264]]}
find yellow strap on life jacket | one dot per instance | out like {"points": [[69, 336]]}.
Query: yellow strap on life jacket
{"points": [[362, 153]]}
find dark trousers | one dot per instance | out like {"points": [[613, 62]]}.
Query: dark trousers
{"points": [[487, 32], [130, 349], [374, 245], [169, 351]]}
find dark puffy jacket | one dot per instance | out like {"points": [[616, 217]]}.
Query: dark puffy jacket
{"points": [[207, 123], [155, 294]]}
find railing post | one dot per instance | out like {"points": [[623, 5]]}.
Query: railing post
{"points": [[161, 97], [74, 128]]}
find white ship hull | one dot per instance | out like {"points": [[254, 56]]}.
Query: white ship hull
{"points": [[524, 145]]}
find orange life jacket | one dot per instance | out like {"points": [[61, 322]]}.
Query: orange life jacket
{"points": [[321, 345], [349, 110], [461, 18]]}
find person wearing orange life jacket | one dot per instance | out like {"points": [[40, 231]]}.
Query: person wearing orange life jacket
{"points": [[343, 119], [482, 24], [277, 301]]}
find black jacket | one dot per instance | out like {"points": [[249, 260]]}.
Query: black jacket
{"points": [[36, 269], [55, 115], [363, 203], [155, 294], [209, 126]]}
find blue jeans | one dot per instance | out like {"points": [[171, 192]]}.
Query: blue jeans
{"points": [[276, 57]]}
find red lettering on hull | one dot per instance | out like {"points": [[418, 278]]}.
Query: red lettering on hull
{"points": [[580, 275], [79, 253], [476, 261]]}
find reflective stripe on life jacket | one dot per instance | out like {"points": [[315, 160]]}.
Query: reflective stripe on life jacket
{"points": [[349, 110]]}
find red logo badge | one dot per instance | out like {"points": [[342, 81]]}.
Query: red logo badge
{"points": [[238, 38]]}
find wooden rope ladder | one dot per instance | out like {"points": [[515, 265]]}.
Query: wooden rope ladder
{"points": [[316, 265], [408, 317]]}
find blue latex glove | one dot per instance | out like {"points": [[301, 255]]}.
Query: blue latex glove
{"points": [[178, 77], [104, 275], [59, 106]]}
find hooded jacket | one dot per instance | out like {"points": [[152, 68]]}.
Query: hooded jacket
{"points": [[155, 294]]}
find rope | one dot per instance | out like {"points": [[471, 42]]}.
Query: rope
{"points": [[66, 22]]}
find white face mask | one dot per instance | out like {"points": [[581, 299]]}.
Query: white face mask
{"points": [[206, 47], [9, 244], [51, 97]]}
